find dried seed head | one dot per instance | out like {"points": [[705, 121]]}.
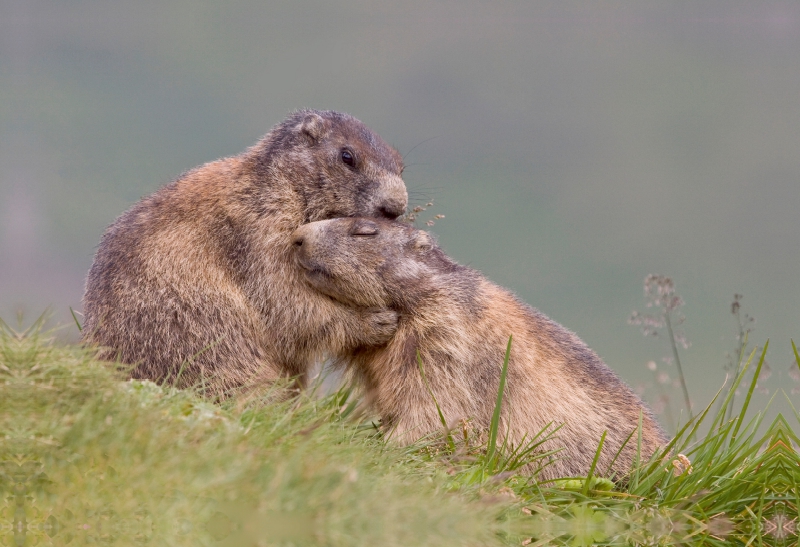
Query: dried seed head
{"points": [[681, 465]]}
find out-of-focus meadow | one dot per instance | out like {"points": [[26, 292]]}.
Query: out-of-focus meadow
{"points": [[573, 148]]}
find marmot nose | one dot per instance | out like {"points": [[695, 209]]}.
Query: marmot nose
{"points": [[390, 210], [298, 239]]}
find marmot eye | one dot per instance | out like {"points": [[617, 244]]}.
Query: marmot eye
{"points": [[348, 158]]}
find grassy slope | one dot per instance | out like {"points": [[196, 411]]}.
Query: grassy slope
{"points": [[89, 458]]}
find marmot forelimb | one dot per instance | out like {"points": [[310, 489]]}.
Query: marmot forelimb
{"points": [[460, 324], [197, 281]]}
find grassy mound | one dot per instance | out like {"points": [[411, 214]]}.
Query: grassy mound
{"points": [[87, 457]]}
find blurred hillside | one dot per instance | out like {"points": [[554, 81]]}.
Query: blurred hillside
{"points": [[574, 148]]}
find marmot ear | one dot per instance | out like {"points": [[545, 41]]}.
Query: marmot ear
{"points": [[422, 241], [313, 126]]}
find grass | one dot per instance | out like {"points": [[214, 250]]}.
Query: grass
{"points": [[88, 457]]}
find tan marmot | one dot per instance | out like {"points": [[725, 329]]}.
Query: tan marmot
{"points": [[197, 281], [460, 324]]}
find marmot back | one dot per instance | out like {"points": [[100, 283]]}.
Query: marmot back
{"points": [[460, 324], [196, 283]]}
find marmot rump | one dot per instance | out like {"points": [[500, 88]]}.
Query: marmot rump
{"points": [[460, 324], [198, 281]]}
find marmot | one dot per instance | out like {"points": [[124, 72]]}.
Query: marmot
{"points": [[460, 324], [197, 283]]}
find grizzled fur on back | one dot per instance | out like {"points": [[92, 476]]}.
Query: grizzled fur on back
{"points": [[197, 280], [460, 323]]}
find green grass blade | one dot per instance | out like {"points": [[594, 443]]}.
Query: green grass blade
{"points": [[450, 442], [624, 444], [651, 473], [729, 409], [720, 419], [75, 318], [190, 361], [750, 392], [635, 480], [492, 448], [699, 420], [594, 464]]}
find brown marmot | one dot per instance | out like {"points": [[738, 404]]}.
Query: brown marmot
{"points": [[197, 282], [460, 323]]}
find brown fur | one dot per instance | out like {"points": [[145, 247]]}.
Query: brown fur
{"points": [[460, 324], [197, 280]]}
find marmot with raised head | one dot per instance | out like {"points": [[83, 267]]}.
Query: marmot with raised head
{"points": [[197, 281], [460, 324]]}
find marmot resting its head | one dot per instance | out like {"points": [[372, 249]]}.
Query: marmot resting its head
{"points": [[460, 324], [197, 280]]}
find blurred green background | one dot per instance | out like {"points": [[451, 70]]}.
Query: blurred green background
{"points": [[573, 147]]}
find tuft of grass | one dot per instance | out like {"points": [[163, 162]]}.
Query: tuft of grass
{"points": [[732, 487], [477, 457]]}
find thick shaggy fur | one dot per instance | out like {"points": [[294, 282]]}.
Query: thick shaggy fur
{"points": [[198, 282], [460, 323]]}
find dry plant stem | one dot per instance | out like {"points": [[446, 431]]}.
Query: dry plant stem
{"points": [[678, 363], [667, 407]]}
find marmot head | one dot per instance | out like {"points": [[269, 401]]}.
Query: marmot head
{"points": [[368, 262], [337, 164]]}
